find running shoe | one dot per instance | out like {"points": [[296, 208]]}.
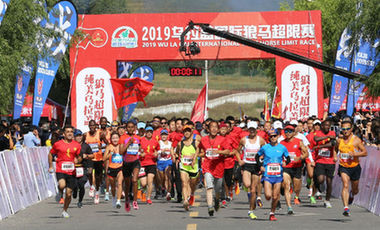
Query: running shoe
{"points": [[61, 201], [224, 204], [107, 197], [318, 195], [272, 217], [79, 204], [259, 202], [65, 214], [291, 190], [346, 212], [297, 201], [149, 201], [211, 211], [252, 215], [312, 200], [168, 197], [127, 205], [91, 193], [58, 197], [186, 205], [237, 189], [327, 204], [290, 211], [135, 205], [139, 194], [143, 197], [96, 200], [216, 204], [350, 199], [191, 200], [113, 202]]}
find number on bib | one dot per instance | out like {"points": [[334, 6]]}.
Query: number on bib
{"points": [[79, 172], [324, 152], [274, 169], [67, 166]]}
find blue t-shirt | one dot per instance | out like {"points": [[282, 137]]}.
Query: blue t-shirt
{"points": [[273, 157]]}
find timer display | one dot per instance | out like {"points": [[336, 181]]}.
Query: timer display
{"points": [[185, 71]]}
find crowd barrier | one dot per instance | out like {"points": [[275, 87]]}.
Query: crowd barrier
{"points": [[369, 189], [24, 179]]}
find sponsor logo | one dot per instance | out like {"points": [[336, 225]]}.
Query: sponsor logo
{"points": [[19, 83], [40, 85], [338, 87], [39, 99], [18, 96], [124, 36], [97, 37]]}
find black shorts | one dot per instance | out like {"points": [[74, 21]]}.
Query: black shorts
{"points": [[294, 172], [128, 167], [98, 166], [252, 168], [237, 172], [152, 169], [191, 174], [324, 169], [113, 172], [353, 173], [228, 176], [71, 180]]}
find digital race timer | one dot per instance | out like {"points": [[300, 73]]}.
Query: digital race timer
{"points": [[185, 71]]}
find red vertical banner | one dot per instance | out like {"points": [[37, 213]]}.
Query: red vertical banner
{"points": [[199, 108]]}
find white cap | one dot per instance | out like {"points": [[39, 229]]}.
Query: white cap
{"points": [[316, 121], [242, 125], [294, 122], [252, 124], [277, 125]]}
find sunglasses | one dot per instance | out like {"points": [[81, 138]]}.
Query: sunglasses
{"points": [[345, 129], [288, 131], [114, 126], [273, 136], [163, 123]]}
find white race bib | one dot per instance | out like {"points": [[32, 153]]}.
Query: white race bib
{"points": [[345, 157], [324, 152], [142, 172], [273, 169], [133, 149], [79, 172], [292, 155], [94, 147], [186, 160], [210, 153], [67, 166]]}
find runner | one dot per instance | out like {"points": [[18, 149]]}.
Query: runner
{"points": [[67, 151], [106, 133], [214, 149], [175, 138], [115, 166], [131, 164], [274, 154], [310, 165], [293, 171], [249, 146], [187, 151], [164, 163], [86, 154], [148, 160], [325, 159], [350, 148]]}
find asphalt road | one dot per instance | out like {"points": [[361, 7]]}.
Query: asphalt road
{"points": [[163, 215]]}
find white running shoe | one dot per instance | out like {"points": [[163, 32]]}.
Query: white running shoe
{"points": [[107, 196], [327, 204], [113, 202], [65, 214], [91, 193], [96, 200], [118, 204]]}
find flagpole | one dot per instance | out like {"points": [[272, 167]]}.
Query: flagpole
{"points": [[206, 78], [273, 99]]}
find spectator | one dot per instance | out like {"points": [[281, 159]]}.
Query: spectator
{"points": [[32, 139], [6, 141]]}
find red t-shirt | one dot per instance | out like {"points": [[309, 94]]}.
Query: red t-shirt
{"points": [[310, 138], [324, 155], [263, 134], [157, 134], [243, 134], [213, 163], [132, 153], [294, 150], [149, 146], [66, 152], [229, 161], [175, 138]]}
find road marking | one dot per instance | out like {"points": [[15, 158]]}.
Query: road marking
{"points": [[194, 214], [196, 204], [305, 214], [198, 190], [191, 227], [197, 196]]}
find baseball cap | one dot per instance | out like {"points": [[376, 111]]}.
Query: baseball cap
{"points": [[273, 132], [164, 132], [187, 127], [77, 132], [316, 122], [294, 122], [198, 126], [242, 125], [115, 123], [149, 128], [141, 125], [289, 127], [252, 124], [222, 125], [277, 125]]}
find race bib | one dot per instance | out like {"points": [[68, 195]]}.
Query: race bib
{"points": [[345, 157], [273, 169], [79, 172], [250, 156], [186, 160], [94, 147], [324, 152], [133, 149], [292, 155], [103, 147], [68, 166], [210, 153], [142, 172], [116, 158]]}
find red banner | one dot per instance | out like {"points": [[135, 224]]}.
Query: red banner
{"points": [[198, 113], [156, 37], [128, 91]]}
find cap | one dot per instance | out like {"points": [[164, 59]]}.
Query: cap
{"points": [[289, 127], [115, 123], [133, 121], [187, 127], [164, 132], [277, 125], [198, 126], [242, 125], [294, 122], [222, 125], [77, 132], [272, 132], [316, 122], [141, 125], [252, 124], [149, 128]]}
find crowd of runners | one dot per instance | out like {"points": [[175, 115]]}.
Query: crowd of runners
{"points": [[132, 161]]}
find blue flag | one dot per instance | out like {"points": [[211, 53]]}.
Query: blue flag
{"points": [[63, 19], [21, 88], [3, 8], [364, 62]]}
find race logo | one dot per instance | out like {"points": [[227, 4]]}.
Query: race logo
{"points": [[19, 83], [18, 96], [338, 87], [40, 85], [124, 36], [97, 37]]}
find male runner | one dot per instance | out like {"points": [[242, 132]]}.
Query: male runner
{"points": [[67, 151], [229, 163], [164, 163], [175, 138], [274, 154], [350, 148]]}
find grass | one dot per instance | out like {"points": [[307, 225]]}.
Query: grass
{"points": [[219, 112]]}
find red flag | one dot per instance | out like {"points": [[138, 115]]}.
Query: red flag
{"points": [[198, 113], [266, 109], [128, 91], [277, 105]]}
